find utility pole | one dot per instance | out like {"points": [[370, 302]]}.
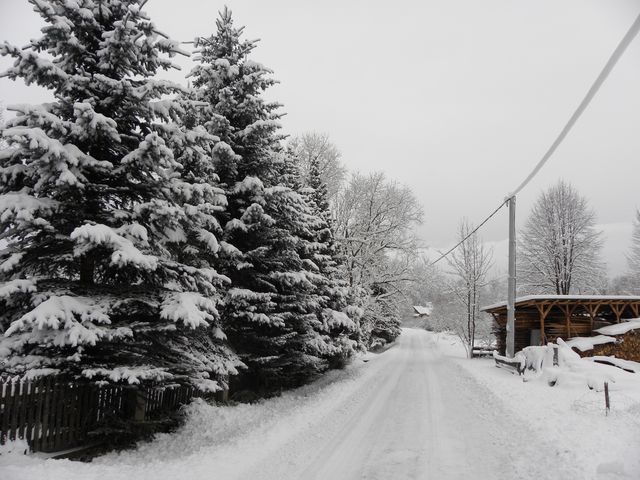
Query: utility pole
{"points": [[511, 294]]}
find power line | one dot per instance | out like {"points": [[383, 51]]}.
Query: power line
{"points": [[613, 59], [472, 232]]}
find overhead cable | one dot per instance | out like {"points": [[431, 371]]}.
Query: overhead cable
{"points": [[613, 59], [471, 233]]}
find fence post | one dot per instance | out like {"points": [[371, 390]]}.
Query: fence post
{"points": [[141, 405], [222, 395], [555, 355], [606, 398], [136, 404]]}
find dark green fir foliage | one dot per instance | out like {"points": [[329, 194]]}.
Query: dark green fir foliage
{"points": [[109, 208], [273, 312], [338, 316]]}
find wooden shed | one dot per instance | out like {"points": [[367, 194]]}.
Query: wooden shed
{"points": [[543, 318]]}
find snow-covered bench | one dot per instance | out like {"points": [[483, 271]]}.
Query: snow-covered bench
{"points": [[515, 364], [482, 352]]}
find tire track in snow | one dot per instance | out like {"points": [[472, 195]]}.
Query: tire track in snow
{"points": [[417, 415]]}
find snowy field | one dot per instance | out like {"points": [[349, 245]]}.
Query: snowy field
{"points": [[417, 411]]}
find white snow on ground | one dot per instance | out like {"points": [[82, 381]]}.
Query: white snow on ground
{"points": [[417, 411], [569, 417]]}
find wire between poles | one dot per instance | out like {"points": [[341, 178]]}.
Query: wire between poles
{"points": [[471, 233], [613, 59]]}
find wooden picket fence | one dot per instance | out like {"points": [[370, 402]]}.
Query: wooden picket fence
{"points": [[53, 415]]}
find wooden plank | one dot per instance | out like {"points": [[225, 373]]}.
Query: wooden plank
{"points": [[13, 410], [106, 401], [77, 414], [84, 416], [6, 415], [18, 405], [544, 310], [510, 364], [91, 415], [3, 410], [172, 399], [617, 310], [29, 413], [58, 422], [66, 415], [100, 403], [58, 417], [46, 407], [37, 418]]}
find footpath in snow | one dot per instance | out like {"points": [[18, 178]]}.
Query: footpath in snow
{"points": [[417, 411]]}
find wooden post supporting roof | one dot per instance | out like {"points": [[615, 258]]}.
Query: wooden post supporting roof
{"points": [[568, 310], [544, 311], [592, 309], [617, 310]]}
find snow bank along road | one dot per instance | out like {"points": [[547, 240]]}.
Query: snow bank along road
{"points": [[411, 412]]}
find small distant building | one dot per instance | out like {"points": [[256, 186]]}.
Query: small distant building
{"points": [[422, 311], [543, 318]]}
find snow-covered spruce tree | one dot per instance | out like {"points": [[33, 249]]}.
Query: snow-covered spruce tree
{"points": [[271, 313], [108, 207], [339, 318]]}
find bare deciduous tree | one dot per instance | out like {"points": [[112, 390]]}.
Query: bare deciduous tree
{"points": [[470, 264], [312, 146], [375, 227], [375, 220], [559, 248], [633, 257]]}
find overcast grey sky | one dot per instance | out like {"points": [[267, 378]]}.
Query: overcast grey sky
{"points": [[456, 98]]}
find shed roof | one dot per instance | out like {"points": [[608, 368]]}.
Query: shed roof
{"points": [[530, 300], [420, 310]]}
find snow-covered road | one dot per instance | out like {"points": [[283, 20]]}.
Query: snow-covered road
{"points": [[416, 411], [415, 414]]}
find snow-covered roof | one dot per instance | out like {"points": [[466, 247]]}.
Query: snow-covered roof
{"points": [[528, 298], [423, 310]]}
